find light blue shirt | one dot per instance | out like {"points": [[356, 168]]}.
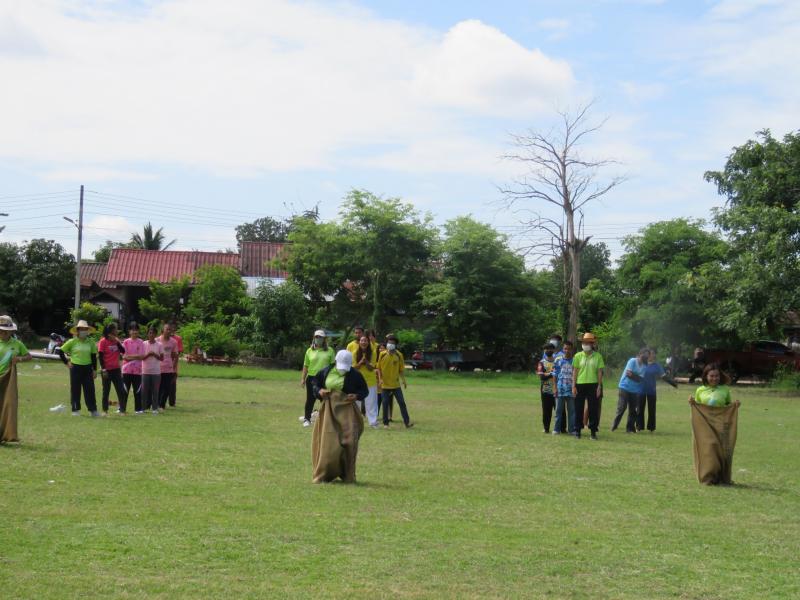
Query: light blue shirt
{"points": [[628, 384]]}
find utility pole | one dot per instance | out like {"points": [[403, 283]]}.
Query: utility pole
{"points": [[78, 264]]}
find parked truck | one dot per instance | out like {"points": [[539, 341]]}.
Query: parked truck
{"points": [[760, 358]]}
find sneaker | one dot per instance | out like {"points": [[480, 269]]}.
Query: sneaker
{"points": [[95, 413], [301, 419], [76, 413], [119, 412], [139, 412], [545, 431], [306, 423], [556, 433], [386, 426], [154, 411], [593, 436], [409, 425], [374, 426]]}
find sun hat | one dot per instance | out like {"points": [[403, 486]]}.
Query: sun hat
{"points": [[82, 324], [320, 333], [344, 360], [589, 337], [7, 324]]}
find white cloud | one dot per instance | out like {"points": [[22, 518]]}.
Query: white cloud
{"points": [[250, 85], [85, 174], [111, 227]]}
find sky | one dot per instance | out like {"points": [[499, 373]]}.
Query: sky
{"points": [[198, 115]]}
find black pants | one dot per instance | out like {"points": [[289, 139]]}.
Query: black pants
{"points": [[386, 399], [649, 401], [132, 382], [309, 408], [114, 376], [166, 391], [380, 405], [630, 401], [586, 395], [548, 405], [80, 376]]}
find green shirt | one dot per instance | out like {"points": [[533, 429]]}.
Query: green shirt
{"points": [[713, 396], [588, 364], [9, 350], [334, 380], [80, 351], [317, 359]]}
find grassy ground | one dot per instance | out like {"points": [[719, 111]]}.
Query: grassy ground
{"points": [[213, 499]]}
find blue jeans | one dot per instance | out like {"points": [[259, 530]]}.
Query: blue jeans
{"points": [[562, 403], [386, 397]]}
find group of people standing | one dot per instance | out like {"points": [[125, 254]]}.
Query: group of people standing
{"points": [[147, 367]]}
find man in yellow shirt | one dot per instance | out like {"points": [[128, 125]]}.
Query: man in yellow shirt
{"points": [[358, 331], [391, 366]]}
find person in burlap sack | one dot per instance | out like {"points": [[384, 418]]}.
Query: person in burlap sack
{"points": [[715, 421], [12, 351], [334, 444]]}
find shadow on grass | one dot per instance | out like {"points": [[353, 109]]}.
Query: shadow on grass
{"points": [[29, 447]]}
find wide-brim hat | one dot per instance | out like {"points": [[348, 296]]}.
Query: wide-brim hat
{"points": [[589, 337], [82, 324], [7, 323]]}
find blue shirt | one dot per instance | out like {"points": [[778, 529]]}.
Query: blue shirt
{"points": [[628, 384], [563, 371], [652, 372]]}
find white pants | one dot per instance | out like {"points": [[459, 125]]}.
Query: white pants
{"points": [[372, 405]]}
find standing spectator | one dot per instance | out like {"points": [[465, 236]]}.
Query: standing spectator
{"points": [[565, 401], [152, 359], [652, 372], [358, 332], [587, 385], [132, 367], [318, 356], [557, 342], [109, 349], [179, 340], [631, 388], [547, 388], [12, 351], [169, 346], [80, 356], [391, 372], [365, 361]]}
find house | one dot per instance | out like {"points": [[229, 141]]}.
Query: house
{"points": [[125, 279]]}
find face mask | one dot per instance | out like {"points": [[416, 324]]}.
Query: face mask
{"points": [[586, 347], [342, 371], [549, 353], [83, 335], [318, 341], [391, 347]]}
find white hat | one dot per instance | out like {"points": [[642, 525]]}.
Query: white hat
{"points": [[344, 360], [6, 324], [320, 333]]}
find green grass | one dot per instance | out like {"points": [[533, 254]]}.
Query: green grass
{"points": [[213, 499]]}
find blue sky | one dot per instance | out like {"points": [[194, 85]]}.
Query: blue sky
{"points": [[199, 115]]}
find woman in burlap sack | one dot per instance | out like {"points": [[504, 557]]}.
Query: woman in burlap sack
{"points": [[334, 446], [714, 423], [12, 351]]}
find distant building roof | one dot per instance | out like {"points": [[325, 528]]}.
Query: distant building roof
{"points": [[256, 258], [93, 273], [138, 267]]}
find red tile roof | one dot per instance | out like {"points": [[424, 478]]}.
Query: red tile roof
{"points": [[138, 267], [93, 273], [255, 257]]}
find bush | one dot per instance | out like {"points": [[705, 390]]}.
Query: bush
{"points": [[409, 341], [295, 356], [214, 339], [94, 314]]}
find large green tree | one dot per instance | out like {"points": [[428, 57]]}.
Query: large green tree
{"points": [[265, 229], [374, 260], [219, 295], [166, 300], [282, 318], [657, 276], [760, 280]]}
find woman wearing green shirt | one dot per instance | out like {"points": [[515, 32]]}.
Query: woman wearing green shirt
{"points": [[12, 351], [713, 392], [318, 356], [80, 356], [587, 384]]}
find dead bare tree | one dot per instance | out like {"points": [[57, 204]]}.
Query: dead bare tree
{"points": [[558, 175]]}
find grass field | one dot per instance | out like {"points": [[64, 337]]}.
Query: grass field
{"points": [[213, 499]]}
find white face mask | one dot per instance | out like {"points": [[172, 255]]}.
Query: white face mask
{"points": [[318, 341], [586, 347], [391, 347], [83, 334]]}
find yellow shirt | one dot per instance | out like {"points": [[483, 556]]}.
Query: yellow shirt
{"points": [[370, 375], [352, 348], [391, 365]]}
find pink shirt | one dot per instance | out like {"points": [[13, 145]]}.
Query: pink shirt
{"points": [[151, 365], [169, 346], [178, 339], [109, 354], [133, 347]]}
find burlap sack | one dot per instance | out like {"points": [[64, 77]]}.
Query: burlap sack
{"points": [[714, 438], [334, 442], [8, 406]]}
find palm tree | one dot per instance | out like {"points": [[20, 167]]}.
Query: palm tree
{"points": [[150, 240]]}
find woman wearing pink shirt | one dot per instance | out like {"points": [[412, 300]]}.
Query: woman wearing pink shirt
{"points": [[151, 371], [168, 367], [132, 367], [109, 348]]}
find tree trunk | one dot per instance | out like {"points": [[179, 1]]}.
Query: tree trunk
{"points": [[575, 291]]}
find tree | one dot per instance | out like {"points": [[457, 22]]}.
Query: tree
{"points": [[374, 260], [219, 294], [103, 253], [47, 279], [265, 229], [283, 318], [484, 297], [658, 274], [761, 219], [558, 175], [595, 264], [149, 240], [11, 269], [165, 301]]}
